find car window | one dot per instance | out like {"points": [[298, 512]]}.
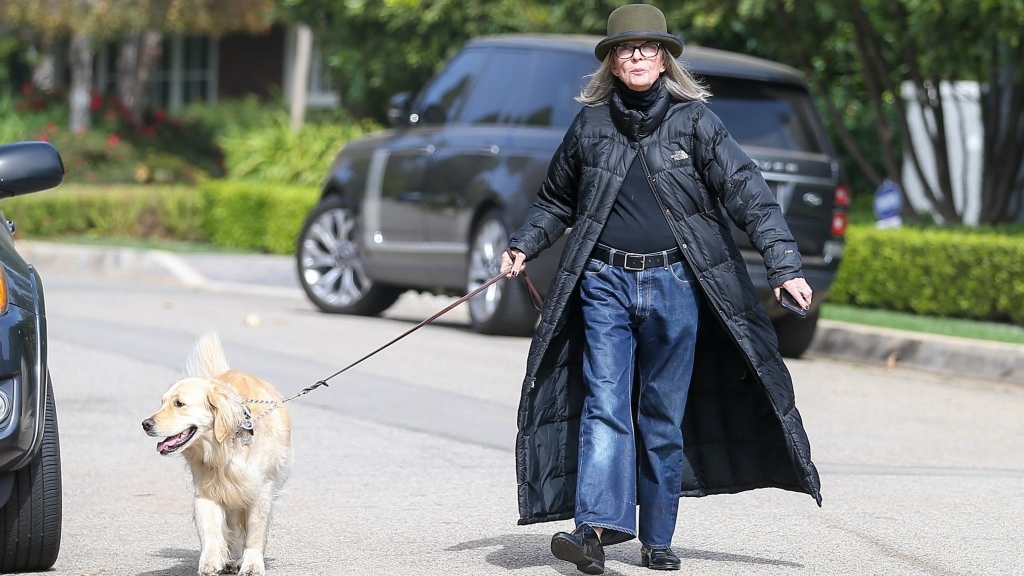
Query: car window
{"points": [[497, 84], [441, 101], [548, 99], [766, 114]]}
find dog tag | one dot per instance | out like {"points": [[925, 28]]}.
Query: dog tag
{"points": [[247, 424]]}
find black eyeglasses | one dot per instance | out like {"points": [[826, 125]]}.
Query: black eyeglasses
{"points": [[647, 50]]}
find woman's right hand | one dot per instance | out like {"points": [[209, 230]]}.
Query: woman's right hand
{"points": [[513, 262]]}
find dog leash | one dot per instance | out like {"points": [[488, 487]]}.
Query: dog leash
{"points": [[249, 424]]}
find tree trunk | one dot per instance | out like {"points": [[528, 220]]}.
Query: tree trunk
{"points": [[300, 75], [1002, 114], [847, 139], [44, 71], [80, 98], [138, 53]]}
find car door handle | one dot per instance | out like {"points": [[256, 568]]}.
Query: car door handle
{"points": [[426, 150], [493, 149]]}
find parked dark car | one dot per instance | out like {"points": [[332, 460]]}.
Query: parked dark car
{"points": [[30, 477], [429, 204]]}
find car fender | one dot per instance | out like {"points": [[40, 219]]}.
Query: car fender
{"points": [[23, 434]]}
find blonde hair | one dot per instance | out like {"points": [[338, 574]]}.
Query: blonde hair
{"points": [[679, 82]]}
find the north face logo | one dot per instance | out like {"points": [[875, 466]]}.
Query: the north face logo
{"points": [[679, 155]]}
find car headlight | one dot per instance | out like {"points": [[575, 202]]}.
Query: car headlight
{"points": [[4, 294]]}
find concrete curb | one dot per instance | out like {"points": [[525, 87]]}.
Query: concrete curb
{"points": [[941, 354], [259, 274]]}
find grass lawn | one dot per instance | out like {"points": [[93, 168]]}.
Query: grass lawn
{"points": [[932, 325]]}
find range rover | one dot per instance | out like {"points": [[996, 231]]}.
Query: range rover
{"points": [[429, 204]]}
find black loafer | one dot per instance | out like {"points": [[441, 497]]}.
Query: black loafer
{"points": [[582, 547], [663, 559]]}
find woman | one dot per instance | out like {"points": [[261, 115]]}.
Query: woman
{"points": [[651, 290]]}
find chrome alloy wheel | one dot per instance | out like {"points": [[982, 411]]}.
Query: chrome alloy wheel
{"points": [[489, 241], [329, 263]]}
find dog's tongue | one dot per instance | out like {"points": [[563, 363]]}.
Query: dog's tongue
{"points": [[170, 444]]}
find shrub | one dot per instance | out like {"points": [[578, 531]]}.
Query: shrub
{"points": [[254, 215], [935, 272], [117, 149], [244, 215], [276, 153], [157, 212]]}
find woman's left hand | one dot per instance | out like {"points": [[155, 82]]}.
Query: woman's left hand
{"points": [[800, 290]]}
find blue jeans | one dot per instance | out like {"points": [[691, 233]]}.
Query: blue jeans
{"points": [[642, 322]]}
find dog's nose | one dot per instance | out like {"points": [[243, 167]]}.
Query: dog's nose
{"points": [[148, 424]]}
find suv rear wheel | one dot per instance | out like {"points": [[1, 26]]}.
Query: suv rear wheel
{"points": [[504, 307], [330, 270], [30, 521]]}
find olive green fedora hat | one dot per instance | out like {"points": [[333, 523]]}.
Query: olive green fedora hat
{"points": [[634, 22]]}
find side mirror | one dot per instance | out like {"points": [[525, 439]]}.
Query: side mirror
{"points": [[29, 167], [400, 110]]}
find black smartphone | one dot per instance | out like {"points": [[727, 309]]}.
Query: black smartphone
{"points": [[789, 303]]}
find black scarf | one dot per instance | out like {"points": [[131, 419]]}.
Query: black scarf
{"points": [[641, 101], [638, 114]]}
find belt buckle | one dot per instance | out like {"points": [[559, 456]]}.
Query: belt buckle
{"points": [[635, 257]]}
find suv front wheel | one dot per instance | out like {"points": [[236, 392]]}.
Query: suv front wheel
{"points": [[30, 521], [504, 307], [329, 266]]}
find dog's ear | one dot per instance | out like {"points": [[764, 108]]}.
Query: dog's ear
{"points": [[227, 410]]}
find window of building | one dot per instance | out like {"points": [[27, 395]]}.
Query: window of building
{"points": [[186, 72]]}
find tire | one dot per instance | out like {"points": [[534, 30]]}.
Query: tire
{"points": [[330, 268], [504, 307], [31, 519], [795, 334]]}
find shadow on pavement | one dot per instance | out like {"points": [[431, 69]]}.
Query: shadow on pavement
{"points": [[188, 561], [520, 551]]}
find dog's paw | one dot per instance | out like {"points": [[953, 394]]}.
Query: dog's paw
{"points": [[209, 568], [252, 570]]}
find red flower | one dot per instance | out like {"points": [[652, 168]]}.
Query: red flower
{"points": [[113, 140], [97, 101], [51, 127], [148, 130], [159, 115]]}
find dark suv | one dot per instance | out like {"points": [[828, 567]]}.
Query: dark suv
{"points": [[429, 204], [30, 478]]}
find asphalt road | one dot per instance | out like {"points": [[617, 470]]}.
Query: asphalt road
{"points": [[405, 464]]}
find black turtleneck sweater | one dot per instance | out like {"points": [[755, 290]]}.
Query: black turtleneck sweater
{"points": [[636, 223]]}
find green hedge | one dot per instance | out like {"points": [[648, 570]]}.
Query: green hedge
{"points": [[255, 215], [159, 212], [950, 273], [234, 214]]}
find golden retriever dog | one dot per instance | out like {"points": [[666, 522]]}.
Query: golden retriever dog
{"points": [[235, 436]]}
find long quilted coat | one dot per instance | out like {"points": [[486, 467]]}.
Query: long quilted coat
{"points": [[741, 429]]}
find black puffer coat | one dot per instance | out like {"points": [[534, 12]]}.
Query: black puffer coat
{"points": [[741, 429]]}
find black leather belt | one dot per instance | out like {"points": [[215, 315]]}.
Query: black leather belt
{"points": [[633, 261]]}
